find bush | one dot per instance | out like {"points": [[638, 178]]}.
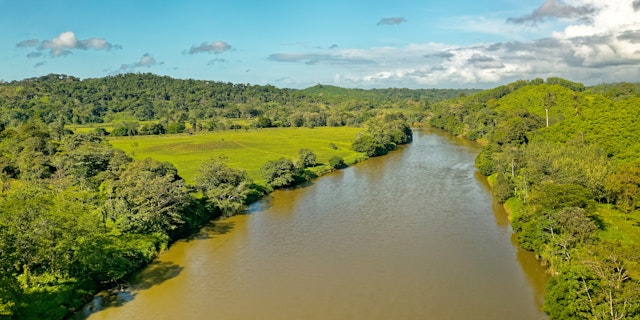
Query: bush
{"points": [[176, 127], [337, 162], [369, 145], [279, 173]]}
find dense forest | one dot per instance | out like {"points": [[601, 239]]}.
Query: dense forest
{"points": [[77, 215], [565, 160], [125, 100]]}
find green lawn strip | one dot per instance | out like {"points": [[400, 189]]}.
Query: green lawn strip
{"points": [[243, 149]]}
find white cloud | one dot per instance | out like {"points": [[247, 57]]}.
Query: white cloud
{"points": [[65, 42], [598, 41], [605, 41]]}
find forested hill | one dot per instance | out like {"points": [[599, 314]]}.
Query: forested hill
{"points": [[565, 159], [390, 94], [139, 97]]}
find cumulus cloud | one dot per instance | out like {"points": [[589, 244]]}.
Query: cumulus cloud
{"points": [[216, 47], [599, 41], [146, 61], [584, 51], [39, 64], [65, 42], [391, 21], [554, 9]]}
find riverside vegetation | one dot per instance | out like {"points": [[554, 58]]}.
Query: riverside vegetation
{"points": [[78, 215], [565, 160]]}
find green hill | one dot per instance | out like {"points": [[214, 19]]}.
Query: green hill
{"points": [[565, 159]]}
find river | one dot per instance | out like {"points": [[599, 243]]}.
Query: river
{"points": [[412, 235]]}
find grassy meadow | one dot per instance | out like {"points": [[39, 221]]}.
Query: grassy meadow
{"points": [[242, 149]]}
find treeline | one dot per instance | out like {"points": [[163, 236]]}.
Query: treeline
{"points": [[566, 161], [207, 105]]}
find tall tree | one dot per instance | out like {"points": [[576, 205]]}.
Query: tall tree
{"points": [[223, 187]]}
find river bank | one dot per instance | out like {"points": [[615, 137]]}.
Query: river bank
{"points": [[375, 241]]}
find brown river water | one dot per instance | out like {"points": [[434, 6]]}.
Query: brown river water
{"points": [[411, 235]]}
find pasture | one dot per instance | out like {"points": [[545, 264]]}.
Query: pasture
{"points": [[242, 149]]}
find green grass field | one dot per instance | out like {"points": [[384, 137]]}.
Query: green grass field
{"points": [[243, 149]]}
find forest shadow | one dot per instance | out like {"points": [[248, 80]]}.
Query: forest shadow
{"points": [[155, 273], [122, 293], [212, 229]]}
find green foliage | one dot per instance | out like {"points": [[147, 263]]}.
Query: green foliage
{"points": [[223, 187], [565, 152], [503, 187], [625, 184], [147, 97], [516, 127], [484, 161], [306, 158], [176, 127], [9, 294], [107, 258], [263, 122], [382, 137], [149, 197], [369, 145], [568, 295], [552, 196], [154, 128], [575, 86], [279, 173], [125, 129], [337, 162]]}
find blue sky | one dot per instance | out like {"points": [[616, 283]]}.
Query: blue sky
{"points": [[296, 44]]}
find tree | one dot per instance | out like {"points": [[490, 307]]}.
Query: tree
{"points": [[516, 127], [279, 173], [369, 145], [336, 162], [306, 158], [82, 156], [263, 122], [503, 187], [552, 196], [225, 188], [570, 295], [625, 185], [126, 129], [149, 197], [176, 127]]}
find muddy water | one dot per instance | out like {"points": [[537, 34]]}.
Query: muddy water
{"points": [[413, 235]]}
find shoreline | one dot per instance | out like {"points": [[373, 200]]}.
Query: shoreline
{"points": [[120, 287]]}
